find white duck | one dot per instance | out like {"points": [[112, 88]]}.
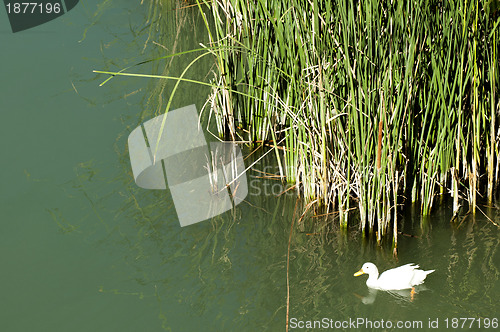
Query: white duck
{"points": [[402, 277]]}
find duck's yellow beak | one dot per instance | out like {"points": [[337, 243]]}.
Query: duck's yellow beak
{"points": [[360, 272]]}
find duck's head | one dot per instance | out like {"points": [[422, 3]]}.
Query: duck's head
{"points": [[367, 268]]}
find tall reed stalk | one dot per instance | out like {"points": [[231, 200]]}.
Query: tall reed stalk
{"points": [[371, 100], [365, 103]]}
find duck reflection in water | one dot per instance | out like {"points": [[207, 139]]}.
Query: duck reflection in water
{"points": [[402, 295]]}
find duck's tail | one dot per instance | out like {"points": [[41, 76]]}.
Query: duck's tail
{"points": [[420, 276]]}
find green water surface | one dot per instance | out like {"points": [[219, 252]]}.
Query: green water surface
{"points": [[82, 248]]}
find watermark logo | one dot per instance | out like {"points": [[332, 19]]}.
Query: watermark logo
{"points": [[25, 15], [205, 180], [267, 182]]}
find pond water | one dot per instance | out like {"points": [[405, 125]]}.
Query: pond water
{"points": [[83, 248]]}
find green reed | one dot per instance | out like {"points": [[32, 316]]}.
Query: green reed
{"points": [[366, 104], [372, 102]]}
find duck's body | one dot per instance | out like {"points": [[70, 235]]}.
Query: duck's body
{"points": [[402, 277]]}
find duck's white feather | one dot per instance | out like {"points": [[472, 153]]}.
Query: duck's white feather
{"points": [[402, 277]]}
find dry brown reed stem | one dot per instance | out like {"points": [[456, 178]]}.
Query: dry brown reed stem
{"points": [[288, 265]]}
